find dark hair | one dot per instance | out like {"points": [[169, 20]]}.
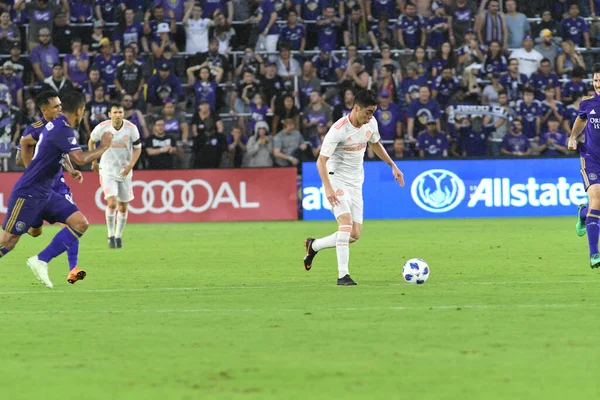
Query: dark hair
{"points": [[409, 4], [528, 90], [72, 101], [389, 67], [596, 69], [578, 72], [549, 86], [115, 105], [577, 95], [545, 60], [365, 98], [502, 92], [43, 98], [76, 40]]}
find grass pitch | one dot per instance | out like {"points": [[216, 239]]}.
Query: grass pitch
{"points": [[226, 311]]}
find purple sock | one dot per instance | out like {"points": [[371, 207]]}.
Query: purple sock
{"points": [[73, 254], [3, 251], [583, 213], [64, 239], [593, 230]]}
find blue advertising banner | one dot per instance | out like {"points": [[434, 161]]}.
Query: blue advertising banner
{"points": [[459, 189]]}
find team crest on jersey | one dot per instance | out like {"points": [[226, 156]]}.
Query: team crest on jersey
{"points": [[20, 226], [49, 126], [339, 192], [593, 176], [125, 138], [73, 140], [369, 134]]}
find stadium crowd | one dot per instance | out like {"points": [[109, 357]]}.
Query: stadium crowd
{"points": [[232, 83]]}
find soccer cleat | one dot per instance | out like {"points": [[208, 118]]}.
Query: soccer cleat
{"points": [[40, 270], [580, 226], [118, 243], [310, 253], [347, 281], [595, 260], [111, 242], [75, 275]]}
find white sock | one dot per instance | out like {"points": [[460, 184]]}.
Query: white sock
{"points": [[121, 222], [110, 221], [326, 242], [342, 249]]}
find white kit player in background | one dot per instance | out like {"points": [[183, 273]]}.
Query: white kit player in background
{"points": [[115, 169], [340, 166]]}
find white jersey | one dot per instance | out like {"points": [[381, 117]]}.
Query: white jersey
{"points": [[345, 146], [197, 35], [124, 140]]}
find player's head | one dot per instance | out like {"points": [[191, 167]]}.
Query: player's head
{"points": [[73, 106], [365, 104], [49, 104], [116, 114], [596, 79]]}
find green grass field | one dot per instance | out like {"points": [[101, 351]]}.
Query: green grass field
{"points": [[226, 311]]}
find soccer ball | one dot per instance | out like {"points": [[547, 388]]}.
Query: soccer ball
{"points": [[415, 271]]}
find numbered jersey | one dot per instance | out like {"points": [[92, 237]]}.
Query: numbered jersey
{"points": [[345, 146], [124, 141], [54, 142], [589, 109]]}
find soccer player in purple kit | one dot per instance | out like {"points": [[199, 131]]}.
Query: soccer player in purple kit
{"points": [[48, 103], [588, 122], [32, 197]]}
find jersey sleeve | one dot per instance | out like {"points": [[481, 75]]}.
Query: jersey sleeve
{"points": [[96, 133], [135, 137], [332, 139], [65, 140], [583, 110], [375, 136]]}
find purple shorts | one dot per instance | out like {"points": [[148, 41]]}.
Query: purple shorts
{"points": [[590, 171], [24, 212]]}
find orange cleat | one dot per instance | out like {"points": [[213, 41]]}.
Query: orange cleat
{"points": [[75, 275]]}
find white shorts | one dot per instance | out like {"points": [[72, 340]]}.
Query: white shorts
{"points": [[112, 187], [351, 201]]}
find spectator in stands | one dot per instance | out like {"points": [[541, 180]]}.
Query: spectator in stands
{"points": [[491, 24], [129, 78], [63, 34], [214, 58], [163, 43], [411, 28], [251, 61], [105, 11], [494, 62], [293, 34], [41, 15], [151, 27], [345, 106], [350, 56], [575, 85], [272, 85], [162, 85], [411, 82], [444, 86], [10, 120], [308, 83], [160, 147], [317, 141], [499, 124], [355, 29], [355, 76], [515, 143], [284, 110], [529, 59], [8, 33], [462, 13], [489, 96], [310, 10], [224, 33], [178, 7], [376, 7], [316, 111], [431, 143], [547, 47], [529, 113], [90, 84], [471, 54], [386, 59], [206, 87], [553, 142], [209, 149], [382, 34], [14, 83], [513, 82], [421, 110], [247, 87], [575, 28], [30, 113], [204, 120], [57, 81], [517, 24], [545, 76], [176, 124], [439, 29], [129, 31], [545, 23], [241, 12], [134, 115], [107, 62], [236, 145], [326, 65], [287, 67], [287, 145], [387, 82], [470, 142], [21, 66], [44, 56], [444, 56], [397, 151], [224, 6], [81, 11], [327, 29], [76, 64], [568, 59], [551, 108], [269, 31], [96, 110], [389, 117], [259, 149], [571, 112], [258, 110]]}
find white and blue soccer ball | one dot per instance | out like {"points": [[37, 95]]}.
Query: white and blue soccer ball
{"points": [[415, 271]]}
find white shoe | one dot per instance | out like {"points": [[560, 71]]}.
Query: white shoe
{"points": [[40, 270]]}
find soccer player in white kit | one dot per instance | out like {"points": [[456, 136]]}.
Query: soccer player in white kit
{"points": [[115, 169], [340, 166]]}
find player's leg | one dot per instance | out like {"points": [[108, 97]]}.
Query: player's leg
{"points": [[342, 247], [125, 195], [110, 187], [582, 211], [75, 274], [591, 224], [21, 212]]}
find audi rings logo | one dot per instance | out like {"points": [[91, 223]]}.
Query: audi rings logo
{"points": [[437, 190], [179, 196]]}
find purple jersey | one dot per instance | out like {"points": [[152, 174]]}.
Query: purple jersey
{"points": [[436, 36], [472, 144], [14, 85], [571, 114], [558, 137], [387, 120], [411, 30], [107, 8], [589, 109], [377, 33], [422, 112], [75, 73], [570, 88], [386, 6], [210, 6], [206, 91], [46, 57], [516, 144], [539, 83], [573, 29], [131, 34], [560, 107], [257, 114], [327, 35], [108, 68], [265, 9], [433, 146], [498, 65], [411, 86], [513, 86], [80, 9], [293, 36], [445, 88], [529, 114], [176, 5], [325, 68], [310, 9]]}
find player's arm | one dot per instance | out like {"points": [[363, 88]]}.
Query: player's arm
{"points": [[81, 157], [578, 127], [26, 153], [324, 174], [75, 174], [383, 155], [135, 155]]}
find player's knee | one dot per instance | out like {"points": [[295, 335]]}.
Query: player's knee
{"points": [[35, 232], [123, 208], [345, 219], [354, 236], [80, 225], [111, 203]]}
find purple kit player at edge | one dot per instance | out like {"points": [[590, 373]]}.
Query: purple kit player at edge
{"points": [[588, 217], [32, 198]]}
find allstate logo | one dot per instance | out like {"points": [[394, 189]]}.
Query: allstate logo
{"points": [[437, 190]]}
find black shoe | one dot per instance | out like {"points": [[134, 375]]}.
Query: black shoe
{"points": [[111, 242], [310, 253], [118, 243], [346, 281]]}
